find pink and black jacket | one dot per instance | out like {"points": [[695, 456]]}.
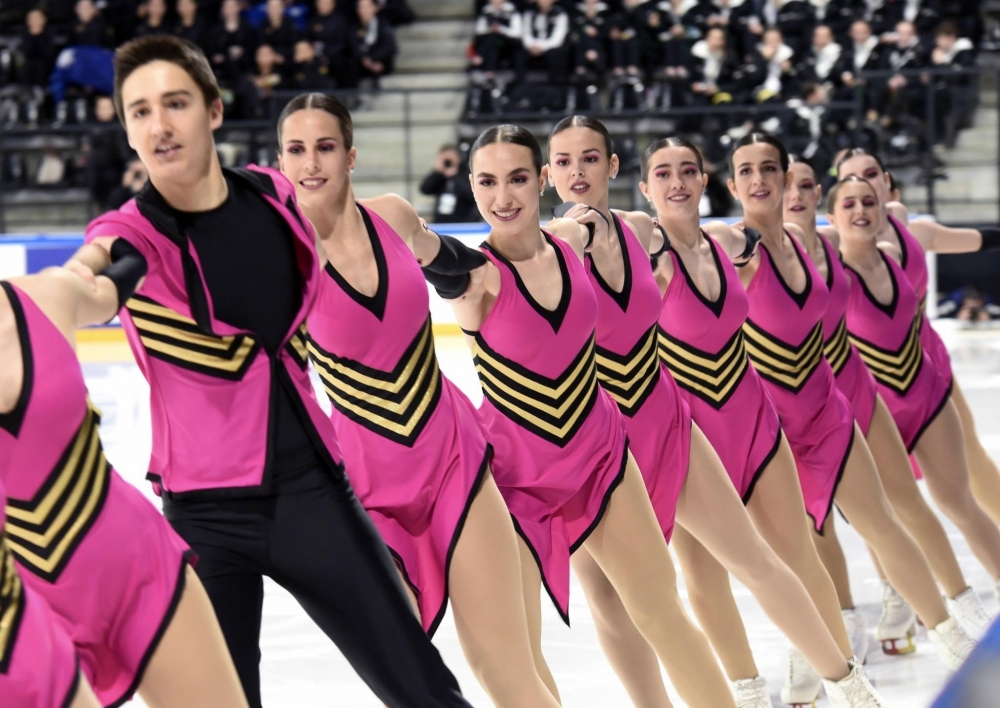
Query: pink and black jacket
{"points": [[213, 387]]}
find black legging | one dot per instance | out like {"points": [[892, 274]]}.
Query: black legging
{"points": [[318, 543]]}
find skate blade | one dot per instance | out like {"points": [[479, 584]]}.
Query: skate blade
{"points": [[899, 647]]}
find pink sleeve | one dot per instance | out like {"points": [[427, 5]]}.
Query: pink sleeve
{"points": [[122, 225]]}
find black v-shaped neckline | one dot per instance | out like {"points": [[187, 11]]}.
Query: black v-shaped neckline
{"points": [[12, 420], [373, 303], [890, 309], [621, 298], [716, 306], [553, 317], [826, 259], [801, 298]]}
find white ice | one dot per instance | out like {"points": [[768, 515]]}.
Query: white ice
{"points": [[301, 668]]}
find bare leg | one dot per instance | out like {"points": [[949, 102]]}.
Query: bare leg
{"points": [[909, 504], [983, 473], [710, 509], [875, 562], [711, 597], [631, 657], [531, 583], [779, 514], [862, 499], [486, 594], [832, 554], [191, 667], [411, 596], [629, 547], [947, 474], [84, 696]]}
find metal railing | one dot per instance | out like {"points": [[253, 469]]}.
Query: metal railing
{"points": [[393, 116]]}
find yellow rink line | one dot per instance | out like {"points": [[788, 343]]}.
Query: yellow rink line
{"points": [[107, 344]]}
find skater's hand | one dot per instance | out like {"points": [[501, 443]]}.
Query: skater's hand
{"points": [[477, 284]]}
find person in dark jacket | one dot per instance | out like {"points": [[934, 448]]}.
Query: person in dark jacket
{"points": [[155, 22], [592, 22], [706, 14], [309, 73], [278, 32], [747, 24], [106, 153], [546, 39], [38, 51], [796, 20], [626, 40], [884, 17], [954, 96], [90, 28], [864, 53], [838, 16], [449, 183], [905, 91], [374, 43], [330, 34], [715, 70], [189, 25], [231, 44], [498, 40], [824, 62]]}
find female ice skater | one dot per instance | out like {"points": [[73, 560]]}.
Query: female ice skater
{"points": [[561, 456], [913, 239], [417, 455], [875, 422], [38, 667], [683, 474], [246, 460], [86, 541], [726, 393]]}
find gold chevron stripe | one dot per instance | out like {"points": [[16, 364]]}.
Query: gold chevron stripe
{"points": [[11, 604], [837, 348], [777, 362], [396, 404], [689, 369], [619, 375], [42, 532], [898, 369]]}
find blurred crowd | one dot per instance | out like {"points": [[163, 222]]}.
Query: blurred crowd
{"points": [[551, 55]]}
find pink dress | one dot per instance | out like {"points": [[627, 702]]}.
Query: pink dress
{"points": [[888, 339], [560, 445], [628, 368], [854, 379], [784, 335], [413, 445], [915, 266], [38, 668], [701, 342], [85, 540]]}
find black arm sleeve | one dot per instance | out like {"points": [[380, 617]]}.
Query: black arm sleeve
{"points": [[753, 238], [127, 268], [991, 239], [449, 271], [654, 258]]}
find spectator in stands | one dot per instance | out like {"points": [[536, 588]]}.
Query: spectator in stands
{"points": [[90, 28], [155, 22], [278, 32], [255, 89], [625, 39], [106, 154], [330, 34], [498, 39], [885, 17], [449, 183], [258, 15], [38, 51], [231, 45], [189, 25], [954, 96], [715, 70], [706, 14], [591, 24], [864, 54], [837, 15], [132, 182], [374, 43], [308, 72], [665, 49], [546, 29], [905, 93], [796, 20], [747, 25], [770, 72], [823, 62]]}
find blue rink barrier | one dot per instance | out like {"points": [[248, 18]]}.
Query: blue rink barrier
{"points": [[21, 254], [977, 683]]}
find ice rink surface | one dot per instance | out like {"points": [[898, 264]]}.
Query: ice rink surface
{"points": [[301, 668]]}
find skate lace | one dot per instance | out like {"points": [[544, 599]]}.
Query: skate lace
{"points": [[893, 602], [750, 691], [959, 642], [797, 667], [858, 693]]}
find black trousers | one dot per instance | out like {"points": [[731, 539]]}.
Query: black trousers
{"points": [[317, 542]]}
